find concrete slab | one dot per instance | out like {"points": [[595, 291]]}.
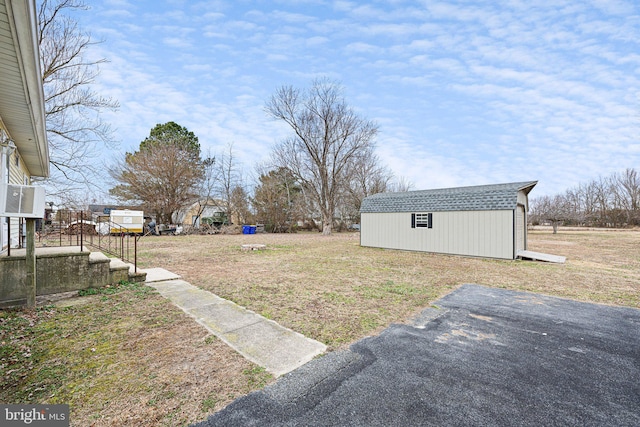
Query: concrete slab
{"points": [[51, 250], [279, 350], [188, 297], [225, 318], [538, 256], [116, 263], [97, 256], [159, 275], [489, 357], [132, 269], [170, 286], [264, 342]]}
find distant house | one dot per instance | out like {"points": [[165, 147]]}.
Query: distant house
{"points": [[480, 221], [23, 141], [208, 211]]}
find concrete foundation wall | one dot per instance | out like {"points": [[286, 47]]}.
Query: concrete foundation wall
{"points": [[55, 273]]}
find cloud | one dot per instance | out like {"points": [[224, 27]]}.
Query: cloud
{"points": [[198, 67], [363, 48], [316, 41], [614, 7], [464, 92], [280, 17], [177, 42]]}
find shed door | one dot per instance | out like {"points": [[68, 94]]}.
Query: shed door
{"points": [[521, 243]]}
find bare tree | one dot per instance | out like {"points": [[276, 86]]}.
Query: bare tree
{"points": [[550, 208], [400, 184], [163, 175], [626, 194], [206, 187], [328, 139], [228, 177], [597, 195], [240, 205], [574, 208], [589, 202], [72, 108], [367, 176]]}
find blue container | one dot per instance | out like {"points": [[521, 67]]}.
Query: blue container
{"points": [[252, 229], [246, 229]]}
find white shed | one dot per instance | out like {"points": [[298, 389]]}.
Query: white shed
{"points": [[480, 221]]}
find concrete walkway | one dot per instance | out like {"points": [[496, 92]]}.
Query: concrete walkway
{"points": [[264, 342]]}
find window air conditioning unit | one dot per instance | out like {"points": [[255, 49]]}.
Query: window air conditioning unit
{"points": [[24, 201]]}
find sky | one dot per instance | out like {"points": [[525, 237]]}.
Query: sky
{"points": [[464, 92]]}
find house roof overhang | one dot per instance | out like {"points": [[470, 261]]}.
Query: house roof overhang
{"points": [[21, 93]]}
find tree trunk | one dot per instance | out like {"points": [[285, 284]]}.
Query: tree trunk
{"points": [[327, 226]]}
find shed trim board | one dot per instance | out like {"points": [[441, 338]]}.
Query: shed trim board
{"points": [[480, 221], [520, 229]]}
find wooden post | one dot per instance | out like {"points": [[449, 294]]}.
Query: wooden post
{"points": [[31, 263]]}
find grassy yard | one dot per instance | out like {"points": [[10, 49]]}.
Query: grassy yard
{"points": [[127, 357], [335, 291]]}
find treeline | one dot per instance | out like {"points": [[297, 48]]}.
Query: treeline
{"points": [[282, 202], [315, 178], [612, 201]]}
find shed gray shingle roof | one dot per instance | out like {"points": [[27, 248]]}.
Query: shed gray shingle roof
{"points": [[476, 198]]}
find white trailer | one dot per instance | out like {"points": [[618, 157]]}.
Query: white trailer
{"points": [[126, 221]]}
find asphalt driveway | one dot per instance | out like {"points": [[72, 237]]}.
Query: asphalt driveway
{"points": [[481, 357]]}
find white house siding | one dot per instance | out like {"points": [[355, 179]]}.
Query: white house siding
{"points": [[22, 113], [469, 233], [15, 175], [18, 174]]}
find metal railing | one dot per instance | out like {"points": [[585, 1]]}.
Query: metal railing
{"points": [[72, 229]]}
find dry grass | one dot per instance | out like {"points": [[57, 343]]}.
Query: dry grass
{"points": [[334, 290], [122, 358], [131, 358]]}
